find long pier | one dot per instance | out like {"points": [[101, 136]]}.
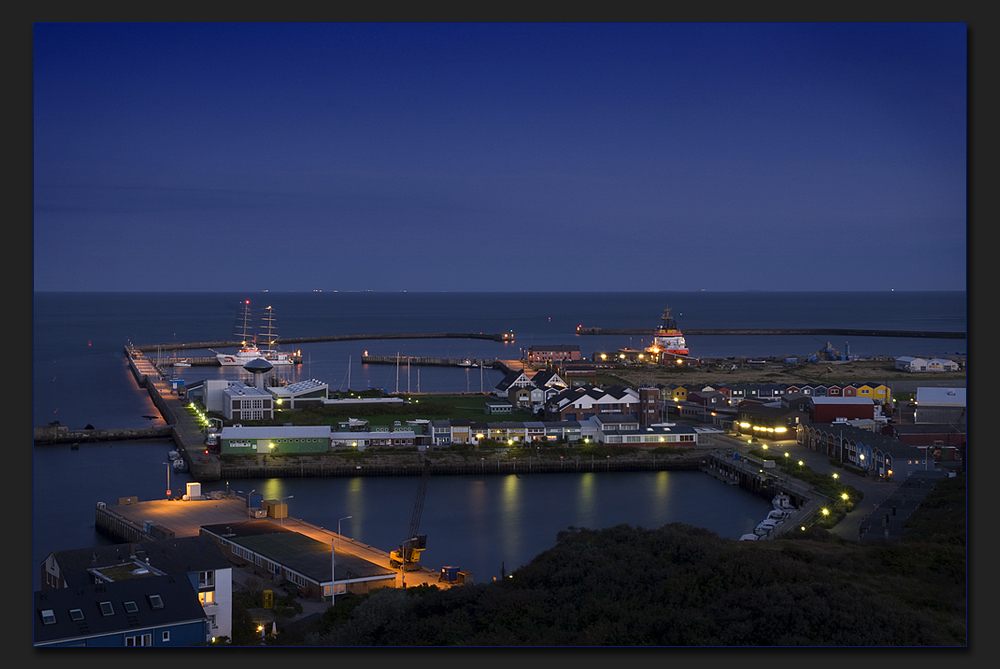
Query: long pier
{"points": [[428, 362], [833, 332], [181, 346]]}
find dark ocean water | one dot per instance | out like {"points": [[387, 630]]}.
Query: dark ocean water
{"points": [[80, 377]]}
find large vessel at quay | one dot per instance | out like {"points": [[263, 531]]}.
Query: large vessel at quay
{"points": [[248, 343], [668, 340]]}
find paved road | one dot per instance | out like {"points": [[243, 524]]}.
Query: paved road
{"points": [[875, 491]]}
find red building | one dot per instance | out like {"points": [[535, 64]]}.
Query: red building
{"points": [[828, 409]]}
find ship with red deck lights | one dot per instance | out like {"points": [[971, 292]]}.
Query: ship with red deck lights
{"points": [[668, 340]]}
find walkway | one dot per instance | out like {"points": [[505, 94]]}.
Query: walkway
{"points": [[875, 491]]}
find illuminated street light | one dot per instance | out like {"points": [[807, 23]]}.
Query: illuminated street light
{"points": [[826, 512]]}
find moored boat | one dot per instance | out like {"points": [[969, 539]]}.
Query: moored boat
{"points": [[782, 502], [248, 343], [180, 465], [668, 341]]}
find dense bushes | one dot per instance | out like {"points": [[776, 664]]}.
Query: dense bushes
{"points": [[680, 586]]}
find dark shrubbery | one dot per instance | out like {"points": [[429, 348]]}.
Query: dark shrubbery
{"points": [[681, 586]]}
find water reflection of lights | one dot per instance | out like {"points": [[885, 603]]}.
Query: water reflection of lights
{"points": [[585, 496], [662, 486]]}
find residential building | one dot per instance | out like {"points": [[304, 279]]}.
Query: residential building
{"points": [[194, 559], [154, 610], [587, 401], [553, 353], [876, 453]]}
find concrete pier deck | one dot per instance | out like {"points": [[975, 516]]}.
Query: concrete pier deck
{"points": [[184, 518]]}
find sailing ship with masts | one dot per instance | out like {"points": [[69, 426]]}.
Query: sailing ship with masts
{"points": [[248, 342]]}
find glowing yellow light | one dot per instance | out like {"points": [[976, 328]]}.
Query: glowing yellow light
{"points": [[744, 424], [800, 463], [781, 429], [836, 476], [826, 512], [844, 496]]}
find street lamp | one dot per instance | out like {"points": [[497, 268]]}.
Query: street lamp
{"points": [[169, 465], [249, 498], [338, 527]]}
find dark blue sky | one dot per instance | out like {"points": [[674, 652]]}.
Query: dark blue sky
{"points": [[523, 157]]}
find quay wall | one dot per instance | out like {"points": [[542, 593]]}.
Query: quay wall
{"points": [[119, 528], [485, 466]]}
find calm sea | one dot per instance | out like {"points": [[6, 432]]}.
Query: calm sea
{"points": [[477, 523]]}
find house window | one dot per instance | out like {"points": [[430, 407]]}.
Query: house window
{"points": [[139, 640], [48, 616], [155, 601], [76, 614], [131, 607], [206, 579], [165, 637], [206, 597], [107, 609]]}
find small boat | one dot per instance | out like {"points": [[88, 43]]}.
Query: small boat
{"points": [[782, 502], [779, 515], [212, 439], [182, 363], [764, 528], [173, 455], [749, 537], [466, 363], [180, 465]]}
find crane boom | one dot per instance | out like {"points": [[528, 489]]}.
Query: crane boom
{"points": [[418, 505], [413, 544]]}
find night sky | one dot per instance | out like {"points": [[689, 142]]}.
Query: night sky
{"points": [[499, 157]]}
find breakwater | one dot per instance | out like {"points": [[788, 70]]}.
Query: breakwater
{"points": [[181, 346], [833, 332], [428, 362], [61, 434]]}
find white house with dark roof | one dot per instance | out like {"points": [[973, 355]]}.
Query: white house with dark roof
{"points": [[154, 610], [196, 560]]}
